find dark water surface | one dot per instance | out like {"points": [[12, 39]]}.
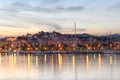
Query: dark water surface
{"points": [[60, 67]]}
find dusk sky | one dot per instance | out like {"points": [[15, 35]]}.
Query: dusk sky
{"points": [[98, 17]]}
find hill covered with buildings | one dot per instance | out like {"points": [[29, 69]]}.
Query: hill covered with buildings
{"points": [[58, 41]]}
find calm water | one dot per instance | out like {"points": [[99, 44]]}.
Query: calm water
{"points": [[60, 67]]}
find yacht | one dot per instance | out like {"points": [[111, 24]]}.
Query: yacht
{"points": [[109, 51]]}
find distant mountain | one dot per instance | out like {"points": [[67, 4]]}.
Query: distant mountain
{"points": [[86, 35], [115, 35]]}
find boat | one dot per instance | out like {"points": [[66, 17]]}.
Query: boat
{"points": [[109, 51], [118, 52]]}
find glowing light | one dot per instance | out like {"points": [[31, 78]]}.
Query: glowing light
{"points": [[12, 45], [59, 45], [36, 48], [60, 48], [86, 45], [102, 47], [28, 45], [45, 48], [89, 48], [28, 49], [99, 45], [110, 45]]}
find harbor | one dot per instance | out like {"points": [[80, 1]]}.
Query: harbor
{"points": [[59, 39], [64, 52]]}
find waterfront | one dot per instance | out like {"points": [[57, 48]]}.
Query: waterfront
{"points": [[59, 67]]}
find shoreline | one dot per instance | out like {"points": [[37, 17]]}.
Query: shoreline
{"points": [[63, 51]]}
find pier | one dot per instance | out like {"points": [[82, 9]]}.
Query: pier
{"points": [[65, 52]]}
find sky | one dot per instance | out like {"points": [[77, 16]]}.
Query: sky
{"points": [[98, 17]]}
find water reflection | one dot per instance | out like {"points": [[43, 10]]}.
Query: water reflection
{"points": [[87, 62], [73, 62], [59, 66], [45, 59], [36, 60], [0, 59], [52, 64], [29, 61], [110, 59], [60, 62], [99, 61]]}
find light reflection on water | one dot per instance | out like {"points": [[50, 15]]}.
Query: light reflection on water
{"points": [[59, 66]]}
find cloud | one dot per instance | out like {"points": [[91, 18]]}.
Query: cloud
{"points": [[70, 30], [55, 26], [15, 7], [44, 6], [50, 1], [8, 10], [81, 29], [76, 8], [73, 8], [117, 7], [57, 9], [88, 2], [22, 6], [13, 26]]}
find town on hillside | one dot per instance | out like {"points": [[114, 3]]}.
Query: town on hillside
{"points": [[43, 41]]}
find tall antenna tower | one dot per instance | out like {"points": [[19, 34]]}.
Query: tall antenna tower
{"points": [[75, 27], [75, 35]]}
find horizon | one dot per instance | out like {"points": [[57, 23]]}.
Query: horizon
{"points": [[96, 17], [60, 33]]}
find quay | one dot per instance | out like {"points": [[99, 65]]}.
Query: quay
{"points": [[64, 52]]}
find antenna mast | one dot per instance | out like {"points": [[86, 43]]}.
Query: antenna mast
{"points": [[75, 34], [75, 28]]}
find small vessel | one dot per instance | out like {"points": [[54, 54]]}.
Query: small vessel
{"points": [[109, 51], [118, 52]]}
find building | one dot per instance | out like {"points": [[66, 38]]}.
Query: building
{"points": [[11, 38]]}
